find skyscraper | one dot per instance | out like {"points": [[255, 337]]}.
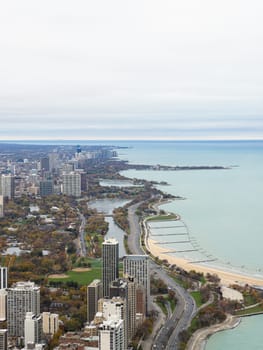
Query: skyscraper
{"points": [[3, 277], [137, 266], [94, 293], [7, 186], [3, 339], [126, 289], [110, 261], [46, 188], [44, 164], [3, 303], [1, 206], [50, 323], [23, 297], [72, 184], [111, 335], [53, 162], [33, 329]]}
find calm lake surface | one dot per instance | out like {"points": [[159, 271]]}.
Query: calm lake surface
{"points": [[222, 210], [107, 206]]}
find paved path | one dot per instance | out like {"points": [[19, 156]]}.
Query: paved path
{"points": [[198, 339], [82, 243]]}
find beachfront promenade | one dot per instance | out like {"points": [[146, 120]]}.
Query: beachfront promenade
{"points": [[198, 339], [167, 337]]}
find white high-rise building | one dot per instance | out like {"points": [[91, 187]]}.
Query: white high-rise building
{"points": [[110, 264], [1, 206], [3, 303], [50, 323], [137, 266], [111, 335], [53, 161], [23, 297], [113, 308], [7, 188], [72, 184], [33, 329]]}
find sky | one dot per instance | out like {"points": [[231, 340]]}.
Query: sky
{"points": [[155, 69]]}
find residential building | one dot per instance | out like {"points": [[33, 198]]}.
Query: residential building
{"points": [[46, 188], [44, 164], [113, 307], [7, 186], [23, 297], [110, 264], [126, 289], [1, 206], [3, 339], [3, 277], [72, 184], [137, 266], [50, 323], [33, 329], [94, 293], [111, 335], [53, 162], [3, 303]]}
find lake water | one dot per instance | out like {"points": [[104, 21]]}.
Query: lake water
{"points": [[247, 336], [222, 211], [223, 208], [106, 206]]}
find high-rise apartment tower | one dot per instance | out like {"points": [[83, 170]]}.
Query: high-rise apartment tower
{"points": [[110, 261]]}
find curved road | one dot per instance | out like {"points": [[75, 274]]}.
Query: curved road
{"points": [[167, 338], [82, 243]]}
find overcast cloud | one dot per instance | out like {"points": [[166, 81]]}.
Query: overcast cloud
{"points": [[131, 69]]}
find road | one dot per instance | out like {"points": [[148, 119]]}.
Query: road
{"points": [[82, 243], [167, 338]]}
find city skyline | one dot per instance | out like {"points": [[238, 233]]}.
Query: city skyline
{"points": [[145, 70]]}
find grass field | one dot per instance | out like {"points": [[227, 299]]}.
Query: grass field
{"points": [[197, 298], [251, 311], [85, 277], [162, 217]]}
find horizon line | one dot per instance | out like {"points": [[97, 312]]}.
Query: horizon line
{"points": [[129, 139]]}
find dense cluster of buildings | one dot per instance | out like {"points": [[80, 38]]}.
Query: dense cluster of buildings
{"points": [[57, 172], [20, 308], [116, 307]]}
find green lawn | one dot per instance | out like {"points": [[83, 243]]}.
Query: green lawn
{"points": [[249, 300], [162, 217], [197, 297], [253, 310], [83, 278]]}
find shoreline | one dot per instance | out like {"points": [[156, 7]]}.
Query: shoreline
{"points": [[226, 277], [198, 340]]}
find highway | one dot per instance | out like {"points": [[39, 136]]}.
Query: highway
{"points": [[167, 337]]}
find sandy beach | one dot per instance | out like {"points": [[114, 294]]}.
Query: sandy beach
{"points": [[226, 277]]}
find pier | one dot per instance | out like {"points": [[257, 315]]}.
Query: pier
{"points": [[164, 227], [181, 251], [170, 234], [201, 261], [175, 242]]}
